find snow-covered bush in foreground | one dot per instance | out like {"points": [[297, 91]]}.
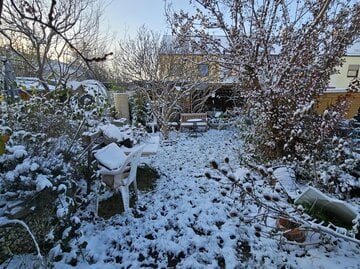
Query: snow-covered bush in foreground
{"points": [[38, 171], [320, 155], [269, 205], [37, 189]]}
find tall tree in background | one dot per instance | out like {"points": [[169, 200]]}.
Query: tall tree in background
{"points": [[51, 29], [90, 43], [150, 62], [282, 53]]}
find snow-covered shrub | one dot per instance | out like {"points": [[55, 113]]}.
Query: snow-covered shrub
{"points": [[312, 133], [39, 115], [88, 106], [263, 203], [140, 109], [42, 189], [328, 161], [38, 171], [316, 144], [337, 179]]}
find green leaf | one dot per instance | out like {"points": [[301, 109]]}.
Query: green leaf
{"points": [[3, 139]]}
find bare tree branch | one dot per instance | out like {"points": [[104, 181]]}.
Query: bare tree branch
{"points": [[48, 25], [51, 19], [165, 78]]}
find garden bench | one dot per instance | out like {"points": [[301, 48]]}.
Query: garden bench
{"points": [[193, 121], [118, 170]]}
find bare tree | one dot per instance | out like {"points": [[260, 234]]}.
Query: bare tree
{"points": [[51, 29], [166, 78], [69, 64], [281, 53]]}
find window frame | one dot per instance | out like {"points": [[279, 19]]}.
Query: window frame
{"points": [[353, 68], [201, 72]]}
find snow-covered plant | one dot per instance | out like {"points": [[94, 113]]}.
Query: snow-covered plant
{"points": [[140, 109], [39, 115], [90, 105], [311, 136], [281, 53], [38, 167], [34, 176], [258, 190]]}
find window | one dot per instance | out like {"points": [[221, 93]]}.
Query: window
{"points": [[353, 71], [203, 70]]}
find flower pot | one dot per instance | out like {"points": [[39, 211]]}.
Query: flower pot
{"points": [[290, 229]]}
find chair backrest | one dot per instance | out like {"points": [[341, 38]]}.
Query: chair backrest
{"points": [[187, 116], [115, 163], [132, 160]]}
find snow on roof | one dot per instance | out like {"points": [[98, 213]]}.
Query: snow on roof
{"points": [[32, 83], [172, 46], [91, 86], [354, 49]]}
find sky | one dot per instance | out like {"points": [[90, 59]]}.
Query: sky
{"points": [[126, 16]]}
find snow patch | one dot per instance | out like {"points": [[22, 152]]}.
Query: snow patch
{"points": [[111, 156], [42, 182], [112, 132]]}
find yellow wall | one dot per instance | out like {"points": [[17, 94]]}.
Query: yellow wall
{"points": [[330, 98], [338, 83], [190, 64], [341, 80]]}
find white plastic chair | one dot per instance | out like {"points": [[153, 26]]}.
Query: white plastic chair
{"points": [[119, 178]]}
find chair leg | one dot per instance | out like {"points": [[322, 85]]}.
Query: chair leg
{"points": [[97, 188], [135, 188], [125, 197]]}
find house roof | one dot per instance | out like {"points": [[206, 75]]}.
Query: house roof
{"points": [[354, 49], [172, 46]]}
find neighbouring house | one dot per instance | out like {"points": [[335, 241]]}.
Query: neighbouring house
{"points": [[180, 61], [183, 61], [339, 83]]}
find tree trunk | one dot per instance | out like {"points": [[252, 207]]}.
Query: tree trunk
{"points": [[165, 130]]}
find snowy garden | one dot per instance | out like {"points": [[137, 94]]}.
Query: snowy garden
{"points": [[202, 151], [203, 202]]}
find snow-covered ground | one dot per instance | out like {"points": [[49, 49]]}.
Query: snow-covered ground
{"points": [[185, 222]]}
